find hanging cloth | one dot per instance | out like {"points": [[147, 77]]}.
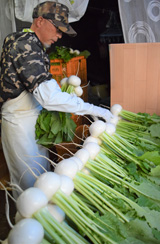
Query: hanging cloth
{"points": [[140, 20], [7, 19], [24, 8]]}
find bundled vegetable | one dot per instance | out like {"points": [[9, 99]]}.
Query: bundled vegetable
{"points": [[27, 231], [71, 85], [48, 226], [56, 127], [66, 53], [141, 118], [108, 191], [74, 208], [109, 187], [135, 193], [145, 135]]}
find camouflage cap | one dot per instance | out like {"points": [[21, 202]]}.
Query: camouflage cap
{"points": [[56, 12]]}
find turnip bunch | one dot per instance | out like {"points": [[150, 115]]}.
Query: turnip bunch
{"points": [[113, 147], [97, 187], [105, 172], [71, 85], [56, 127], [144, 135], [32, 204], [128, 155], [72, 205], [96, 200], [27, 231], [141, 118], [118, 145], [66, 53]]}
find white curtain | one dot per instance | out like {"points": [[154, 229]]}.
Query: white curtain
{"points": [[24, 8], [7, 19], [140, 20]]}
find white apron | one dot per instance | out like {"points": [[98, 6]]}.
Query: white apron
{"points": [[19, 117]]}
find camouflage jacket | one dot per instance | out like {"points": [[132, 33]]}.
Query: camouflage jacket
{"points": [[24, 65]]}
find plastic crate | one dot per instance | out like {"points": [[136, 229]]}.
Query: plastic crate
{"points": [[76, 66]]}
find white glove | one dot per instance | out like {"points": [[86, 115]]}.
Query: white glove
{"points": [[102, 112]]}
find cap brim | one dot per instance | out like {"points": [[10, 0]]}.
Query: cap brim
{"points": [[65, 28]]}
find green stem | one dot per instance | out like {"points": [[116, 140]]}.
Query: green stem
{"points": [[131, 125], [73, 216], [70, 89], [48, 228], [89, 193], [105, 174], [57, 227], [81, 239], [81, 204], [97, 169], [45, 242], [103, 187], [131, 116], [104, 137], [104, 160], [81, 177], [81, 218]]}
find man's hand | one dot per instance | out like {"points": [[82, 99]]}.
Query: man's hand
{"points": [[103, 113]]}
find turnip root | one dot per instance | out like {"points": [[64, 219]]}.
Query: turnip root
{"points": [[97, 128], [78, 91], [26, 231], [56, 212], [74, 80], [30, 201], [49, 183]]}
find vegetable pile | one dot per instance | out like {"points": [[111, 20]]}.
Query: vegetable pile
{"points": [[106, 193], [66, 53]]}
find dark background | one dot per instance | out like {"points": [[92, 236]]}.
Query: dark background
{"points": [[99, 27]]}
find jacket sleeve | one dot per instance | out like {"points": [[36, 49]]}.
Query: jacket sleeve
{"points": [[31, 64], [50, 96]]}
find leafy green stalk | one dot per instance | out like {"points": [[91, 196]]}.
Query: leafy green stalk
{"points": [[65, 54], [54, 127], [151, 216], [142, 118], [143, 187], [83, 220], [56, 231]]}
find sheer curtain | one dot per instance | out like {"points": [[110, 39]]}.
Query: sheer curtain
{"points": [[140, 20], [24, 8], [7, 19]]}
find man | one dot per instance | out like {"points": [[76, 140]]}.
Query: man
{"points": [[27, 86]]}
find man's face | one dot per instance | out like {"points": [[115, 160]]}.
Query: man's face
{"points": [[47, 32]]}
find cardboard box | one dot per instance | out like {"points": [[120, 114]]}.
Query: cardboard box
{"points": [[135, 76]]}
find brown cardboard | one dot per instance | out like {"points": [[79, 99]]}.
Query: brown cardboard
{"points": [[135, 76]]}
